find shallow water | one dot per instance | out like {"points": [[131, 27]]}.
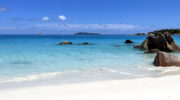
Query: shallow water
{"points": [[31, 57]]}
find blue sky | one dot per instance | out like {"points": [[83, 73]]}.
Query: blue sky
{"points": [[105, 16]]}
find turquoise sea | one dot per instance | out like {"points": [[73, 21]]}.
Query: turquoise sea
{"points": [[33, 57]]}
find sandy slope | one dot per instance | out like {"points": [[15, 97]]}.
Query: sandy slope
{"points": [[164, 88]]}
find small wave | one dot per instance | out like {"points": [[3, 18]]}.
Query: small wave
{"points": [[35, 77], [32, 77], [170, 69], [162, 70], [119, 72]]}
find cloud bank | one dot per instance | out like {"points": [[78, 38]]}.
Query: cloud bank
{"points": [[122, 27], [3, 9], [72, 28]]}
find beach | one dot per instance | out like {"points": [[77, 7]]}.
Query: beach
{"points": [[89, 50], [162, 88]]}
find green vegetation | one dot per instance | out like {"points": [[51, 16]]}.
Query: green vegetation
{"points": [[140, 33], [171, 31]]}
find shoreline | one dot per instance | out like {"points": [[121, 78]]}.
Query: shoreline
{"points": [[162, 88], [78, 78]]}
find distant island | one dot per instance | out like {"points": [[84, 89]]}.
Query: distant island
{"points": [[171, 31], [86, 33]]}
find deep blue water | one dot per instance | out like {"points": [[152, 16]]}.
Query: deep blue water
{"points": [[33, 57]]}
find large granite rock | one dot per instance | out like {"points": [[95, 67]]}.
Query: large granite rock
{"points": [[164, 59], [160, 41]]}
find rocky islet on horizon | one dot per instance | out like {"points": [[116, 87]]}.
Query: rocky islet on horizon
{"points": [[86, 33]]}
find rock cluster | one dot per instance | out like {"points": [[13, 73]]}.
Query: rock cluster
{"points": [[65, 43], [70, 43], [85, 43]]}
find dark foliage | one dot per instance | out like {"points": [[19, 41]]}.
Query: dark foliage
{"points": [[171, 31]]}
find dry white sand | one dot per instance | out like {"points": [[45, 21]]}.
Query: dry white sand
{"points": [[164, 88]]}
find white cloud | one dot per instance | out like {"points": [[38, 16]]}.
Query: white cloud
{"points": [[62, 17], [45, 18], [3, 9]]}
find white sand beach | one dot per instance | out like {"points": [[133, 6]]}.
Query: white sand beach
{"points": [[163, 88]]}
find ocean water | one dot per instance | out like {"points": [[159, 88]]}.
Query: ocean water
{"points": [[33, 57]]}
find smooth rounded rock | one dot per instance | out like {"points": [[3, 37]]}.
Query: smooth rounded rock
{"points": [[164, 59]]}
